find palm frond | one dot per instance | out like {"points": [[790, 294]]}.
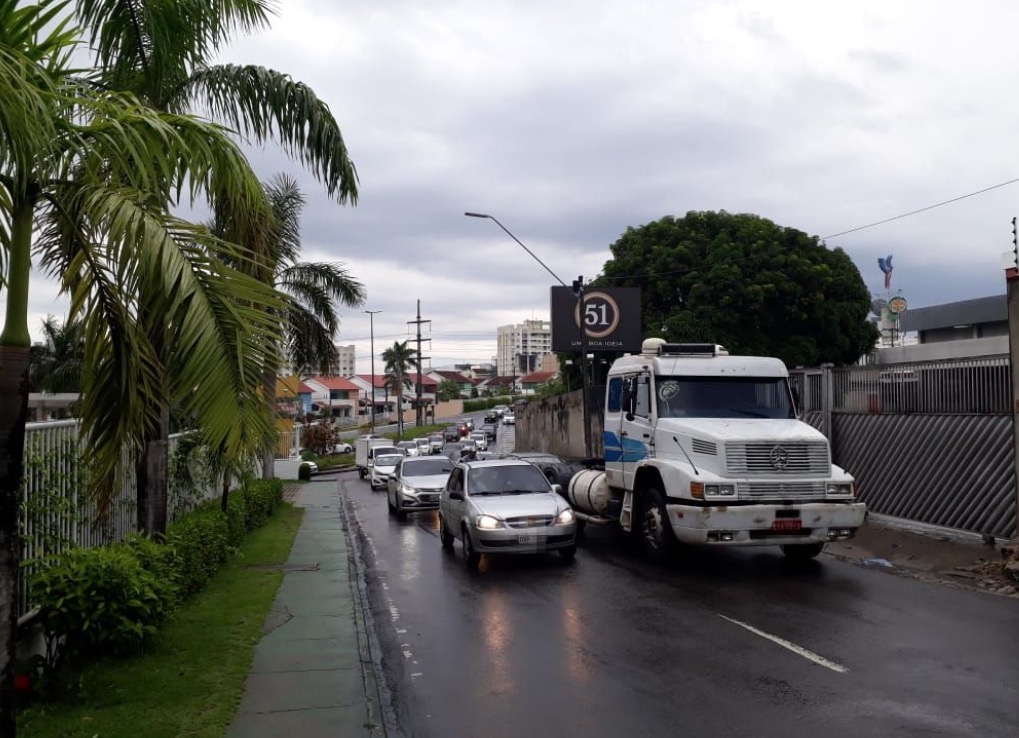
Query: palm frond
{"points": [[287, 203], [264, 104], [333, 278], [309, 346]]}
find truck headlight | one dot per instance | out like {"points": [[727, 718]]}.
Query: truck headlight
{"points": [[720, 490], [838, 489], [488, 522], [565, 517]]}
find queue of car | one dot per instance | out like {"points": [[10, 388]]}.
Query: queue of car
{"points": [[491, 505]]}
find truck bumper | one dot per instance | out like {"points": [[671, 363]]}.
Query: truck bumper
{"points": [[758, 525]]}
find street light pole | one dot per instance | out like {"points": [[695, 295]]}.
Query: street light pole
{"points": [[578, 291], [371, 334]]}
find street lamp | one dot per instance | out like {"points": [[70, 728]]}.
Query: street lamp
{"points": [[578, 291], [371, 334]]}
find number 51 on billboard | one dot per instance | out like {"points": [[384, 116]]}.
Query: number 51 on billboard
{"points": [[611, 318]]}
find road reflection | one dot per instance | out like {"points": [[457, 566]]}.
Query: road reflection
{"points": [[498, 634], [573, 627]]}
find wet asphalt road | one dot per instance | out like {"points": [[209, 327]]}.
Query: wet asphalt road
{"points": [[613, 645]]}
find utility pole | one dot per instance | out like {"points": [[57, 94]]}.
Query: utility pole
{"points": [[578, 290], [371, 333], [1011, 263], [419, 408]]}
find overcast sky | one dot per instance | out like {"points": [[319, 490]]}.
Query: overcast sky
{"points": [[572, 120]]}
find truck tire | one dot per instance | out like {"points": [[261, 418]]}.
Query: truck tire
{"points": [[802, 551], [655, 532], [360, 472]]}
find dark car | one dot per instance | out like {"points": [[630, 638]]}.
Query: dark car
{"points": [[451, 433], [556, 470], [490, 429], [491, 417], [453, 451]]}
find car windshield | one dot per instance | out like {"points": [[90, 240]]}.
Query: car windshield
{"points": [[506, 480], [388, 460], [426, 467], [724, 397]]}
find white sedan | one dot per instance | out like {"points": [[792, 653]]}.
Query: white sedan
{"points": [[509, 419], [381, 470]]}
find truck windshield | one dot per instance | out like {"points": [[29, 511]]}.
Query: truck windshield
{"points": [[723, 397]]}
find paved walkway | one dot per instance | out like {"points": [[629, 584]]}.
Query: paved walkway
{"points": [[313, 674]]}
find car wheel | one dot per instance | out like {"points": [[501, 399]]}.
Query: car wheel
{"points": [[401, 514], [445, 537], [801, 552], [389, 503], [471, 557], [655, 532], [569, 553]]}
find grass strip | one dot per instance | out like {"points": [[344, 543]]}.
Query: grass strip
{"points": [[191, 679]]}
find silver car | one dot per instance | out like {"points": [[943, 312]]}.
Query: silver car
{"points": [[504, 506], [415, 484], [384, 465]]}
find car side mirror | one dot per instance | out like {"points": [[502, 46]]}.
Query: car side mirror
{"points": [[456, 495]]}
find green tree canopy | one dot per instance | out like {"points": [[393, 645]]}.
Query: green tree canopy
{"points": [[747, 283]]}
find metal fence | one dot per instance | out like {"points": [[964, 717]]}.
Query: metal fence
{"points": [[927, 441]]}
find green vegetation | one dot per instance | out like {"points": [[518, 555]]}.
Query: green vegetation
{"points": [[471, 406], [189, 681]]}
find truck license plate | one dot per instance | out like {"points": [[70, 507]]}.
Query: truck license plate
{"points": [[530, 538], [787, 525]]}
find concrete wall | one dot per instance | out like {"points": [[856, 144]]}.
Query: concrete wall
{"points": [[448, 409], [556, 425]]}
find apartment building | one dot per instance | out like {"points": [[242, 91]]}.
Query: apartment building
{"points": [[520, 348], [345, 364]]}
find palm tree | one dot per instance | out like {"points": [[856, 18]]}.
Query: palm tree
{"points": [[56, 364], [162, 51], [310, 292], [448, 390], [95, 162], [400, 358]]}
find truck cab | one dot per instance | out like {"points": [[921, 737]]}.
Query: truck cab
{"points": [[704, 447]]}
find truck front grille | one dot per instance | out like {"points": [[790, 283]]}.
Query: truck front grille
{"points": [[780, 490], [778, 458]]}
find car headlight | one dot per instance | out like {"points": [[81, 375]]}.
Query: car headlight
{"points": [[838, 489], [408, 490], [721, 490], [565, 517], [489, 522]]}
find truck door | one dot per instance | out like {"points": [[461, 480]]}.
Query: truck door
{"points": [[615, 398], [635, 427]]}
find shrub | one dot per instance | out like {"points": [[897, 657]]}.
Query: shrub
{"points": [[236, 517], [99, 601], [319, 439], [304, 472], [159, 559], [201, 540]]}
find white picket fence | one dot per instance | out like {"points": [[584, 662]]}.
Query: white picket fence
{"points": [[56, 514]]}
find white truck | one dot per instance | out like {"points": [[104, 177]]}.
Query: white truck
{"points": [[364, 451], [706, 448]]}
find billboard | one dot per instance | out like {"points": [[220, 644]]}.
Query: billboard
{"points": [[611, 319]]}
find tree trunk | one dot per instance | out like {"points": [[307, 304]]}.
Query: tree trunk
{"points": [[151, 467], [15, 350], [224, 500], [13, 414], [269, 452], [399, 415]]}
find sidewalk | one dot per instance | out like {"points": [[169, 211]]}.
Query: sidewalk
{"points": [[926, 556], [313, 673]]}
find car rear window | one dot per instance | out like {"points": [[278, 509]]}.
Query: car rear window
{"points": [[423, 467]]}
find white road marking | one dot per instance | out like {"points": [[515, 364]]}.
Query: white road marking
{"points": [[798, 650]]}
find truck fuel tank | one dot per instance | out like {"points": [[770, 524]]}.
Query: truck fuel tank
{"points": [[589, 492]]}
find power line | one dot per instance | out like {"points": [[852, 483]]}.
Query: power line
{"points": [[922, 210]]}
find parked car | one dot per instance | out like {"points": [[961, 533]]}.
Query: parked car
{"points": [[555, 469], [343, 448], [312, 466], [508, 418], [415, 484], [409, 448], [382, 468], [506, 506], [481, 438]]}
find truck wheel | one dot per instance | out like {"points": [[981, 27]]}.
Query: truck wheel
{"points": [[802, 551], [360, 473], [471, 557], [655, 532], [445, 537]]}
